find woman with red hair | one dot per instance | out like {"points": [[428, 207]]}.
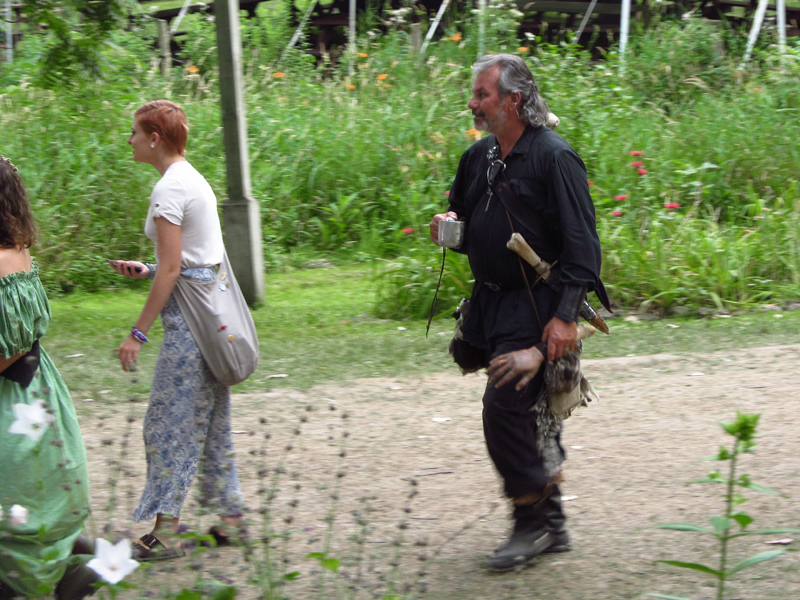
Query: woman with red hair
{"points": [[188, 420]]}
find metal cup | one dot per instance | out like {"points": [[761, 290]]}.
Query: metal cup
{"points": [[451, 233]]}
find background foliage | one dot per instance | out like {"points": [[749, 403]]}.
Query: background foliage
{"points": [[347, 156]]}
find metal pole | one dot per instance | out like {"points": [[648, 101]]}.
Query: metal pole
{"points": [[624, 26], [165, 45], [180, 16], [352, 26], [241, 212], [9, 32], [434, 26], [583, 22], [299, 31], [416, 37], [780, 7], [481, 27], [755, 30]]}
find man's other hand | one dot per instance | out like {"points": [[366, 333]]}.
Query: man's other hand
{"points": [[560, 337], [435, 224], [507, 367]]}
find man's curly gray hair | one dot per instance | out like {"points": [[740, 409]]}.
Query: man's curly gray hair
{"points": [[515, 76]]}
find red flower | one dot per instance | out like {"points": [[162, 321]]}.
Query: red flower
{"points": [[590, 182], [447, 193], [672, 205], [637, 163], [636, 152], [746, 232], [622, 197], [641, 171], [616, 213], [408, 230]]}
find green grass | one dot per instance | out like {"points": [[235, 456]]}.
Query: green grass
{"points": [[315, 327]]}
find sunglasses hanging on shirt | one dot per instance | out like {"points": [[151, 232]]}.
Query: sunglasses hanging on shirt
{"points": [[496, 166]]}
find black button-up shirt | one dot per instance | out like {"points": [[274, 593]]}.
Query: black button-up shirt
{"points": [[549, 178]]}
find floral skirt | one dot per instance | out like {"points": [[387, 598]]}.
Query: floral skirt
{"points": [[187, 426]]}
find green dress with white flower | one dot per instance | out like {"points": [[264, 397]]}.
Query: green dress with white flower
{"points": [[48, 476]]}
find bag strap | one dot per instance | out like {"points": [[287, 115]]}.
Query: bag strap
{"points": [[436, 293], [512, 205], [524, 214]]}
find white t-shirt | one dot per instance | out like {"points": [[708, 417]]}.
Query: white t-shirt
{"points": [[184, 198]]}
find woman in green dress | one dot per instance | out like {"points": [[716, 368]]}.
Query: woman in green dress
{"points": [[44, 483]]}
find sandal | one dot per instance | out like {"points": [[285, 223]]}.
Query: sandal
{"points": [[222, 539], [149, 548]]}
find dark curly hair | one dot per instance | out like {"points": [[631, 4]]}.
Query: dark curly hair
{"points": [[17, 227]]}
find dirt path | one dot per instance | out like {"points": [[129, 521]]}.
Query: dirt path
{"points": [[629, 458]]}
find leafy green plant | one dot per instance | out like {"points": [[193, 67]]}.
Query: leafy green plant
{"points": [[347, 157], [723, 527]]}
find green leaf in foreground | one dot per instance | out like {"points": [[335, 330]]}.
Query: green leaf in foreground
{"points": [[224, 592], [754, 560], [683, 527], [331, 564], [694, 566], [766, 532], [742, 519]]}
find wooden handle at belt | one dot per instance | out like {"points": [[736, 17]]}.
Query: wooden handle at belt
{"points": [[518, 244]]}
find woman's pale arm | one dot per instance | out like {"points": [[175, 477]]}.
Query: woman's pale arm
{"points": [[169, 269]]}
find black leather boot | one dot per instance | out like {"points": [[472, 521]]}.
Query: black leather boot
{"points": [[530, 538], [6, 593], [556, 520], [76, 583], [78, 578]]}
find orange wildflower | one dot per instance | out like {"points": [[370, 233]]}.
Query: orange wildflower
{"points": [[363, 55], [474, 133], [350, 86], [382, 76], [278, 74], [523, 49], [456, 38], [193, 69]]}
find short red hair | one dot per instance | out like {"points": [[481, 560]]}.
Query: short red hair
{"points": [[168, 120]]}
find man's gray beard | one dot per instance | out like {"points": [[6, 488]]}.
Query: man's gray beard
{"points": [[492, 126]]}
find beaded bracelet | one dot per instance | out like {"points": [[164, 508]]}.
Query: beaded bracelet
{"points": [[139, 335], [152, 268]]}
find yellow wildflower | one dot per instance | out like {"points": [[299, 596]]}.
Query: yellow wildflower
{"points": [[474, 133]]}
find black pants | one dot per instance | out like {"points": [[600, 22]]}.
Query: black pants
{"points": [[510, 431]]}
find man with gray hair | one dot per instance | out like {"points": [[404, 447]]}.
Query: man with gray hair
{"points": [[523, 178]]}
